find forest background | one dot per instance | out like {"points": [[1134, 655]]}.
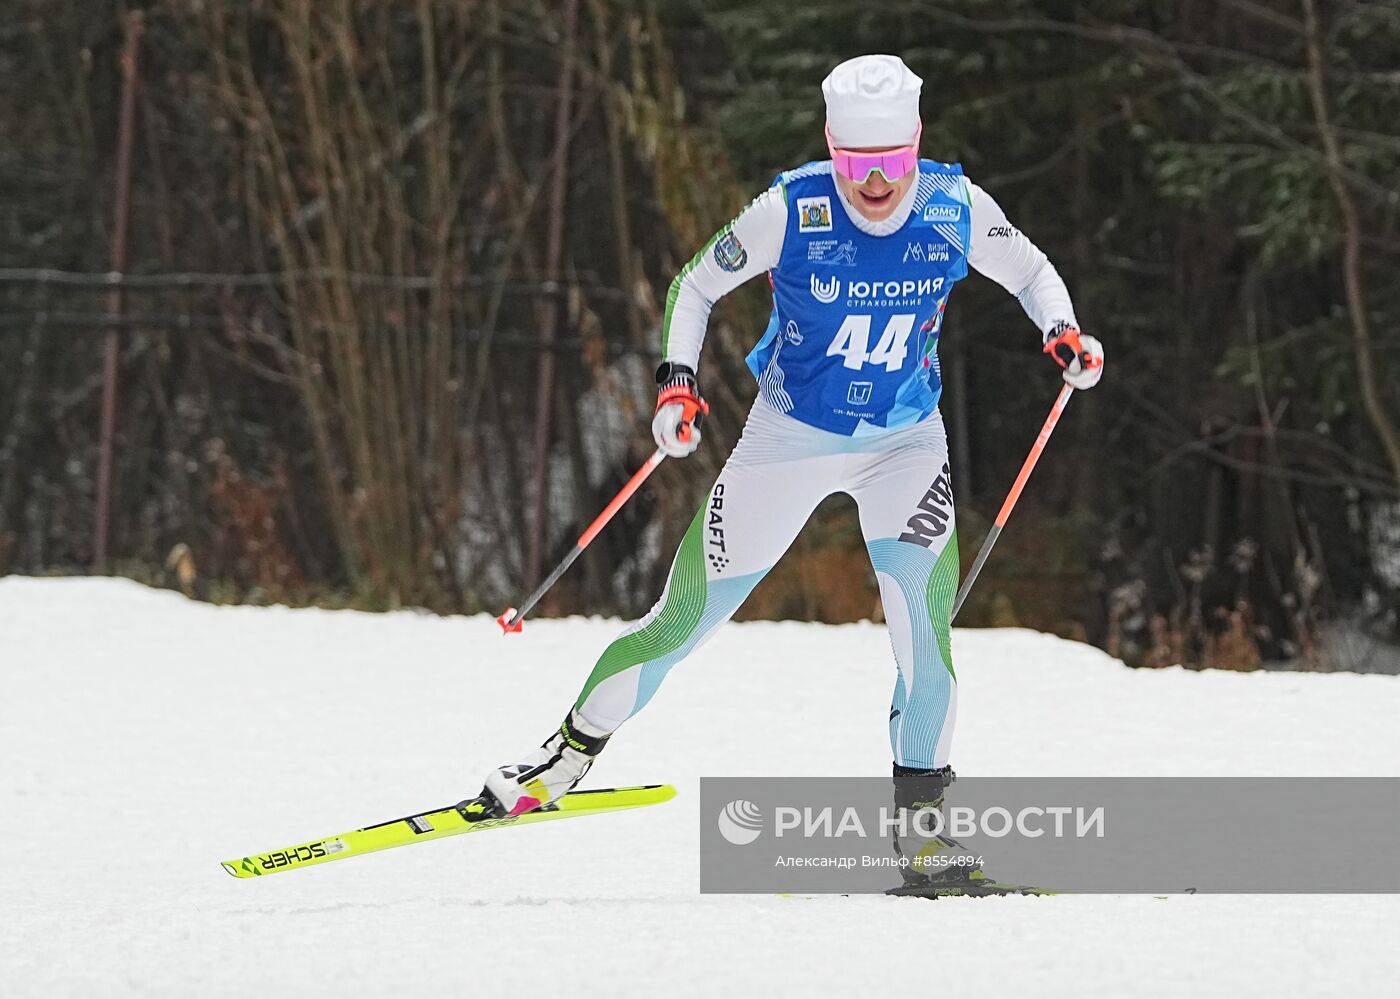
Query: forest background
{"points": [[356, 303]]}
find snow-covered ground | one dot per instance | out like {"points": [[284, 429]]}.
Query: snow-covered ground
{"points": [[144, 738]]}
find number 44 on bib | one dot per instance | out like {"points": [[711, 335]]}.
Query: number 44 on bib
{"points": [[852, 342]]}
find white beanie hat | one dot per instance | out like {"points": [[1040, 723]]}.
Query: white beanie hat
{"points": [[872, 102]]}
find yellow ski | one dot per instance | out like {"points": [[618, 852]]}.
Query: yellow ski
{"points": [[449, 821]]}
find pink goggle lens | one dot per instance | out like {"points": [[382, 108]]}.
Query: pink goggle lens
{"points": [[857, 167]]}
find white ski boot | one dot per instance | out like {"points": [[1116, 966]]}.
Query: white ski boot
{"points": [[544, 776]]}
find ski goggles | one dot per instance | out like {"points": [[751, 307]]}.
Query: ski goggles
{"points": [[891, 163]]}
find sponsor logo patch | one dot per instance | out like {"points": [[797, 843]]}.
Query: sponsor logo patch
{"points": [[827, 291], [889, 293], [933, 253], [730, 253], [829, 251], [294, 855], [942, 213], [879, 293], [859, 393], [814, 214], [793, 334], [716, 551], [930, 519], [1001, 231]]}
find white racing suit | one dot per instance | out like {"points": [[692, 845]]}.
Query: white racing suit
{"points": [[776, 476]]}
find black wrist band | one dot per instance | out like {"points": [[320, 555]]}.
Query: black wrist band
{"points": [[671, 373]]}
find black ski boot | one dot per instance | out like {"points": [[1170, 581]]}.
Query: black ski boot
{"points": [[937, 865]]}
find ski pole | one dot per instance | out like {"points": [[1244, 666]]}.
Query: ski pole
{"points": [[1013, 496], [512, 619]]}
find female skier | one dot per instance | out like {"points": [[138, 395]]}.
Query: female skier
{"points": [[862, 251]]}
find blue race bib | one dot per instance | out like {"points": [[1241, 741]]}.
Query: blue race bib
{"points": [[852, 344]]}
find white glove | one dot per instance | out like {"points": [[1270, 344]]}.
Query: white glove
{"points": [[673, 433], [1078, 353], [679, 411]]}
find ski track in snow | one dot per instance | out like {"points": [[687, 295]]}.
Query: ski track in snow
{"points": [[144, 738]]}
